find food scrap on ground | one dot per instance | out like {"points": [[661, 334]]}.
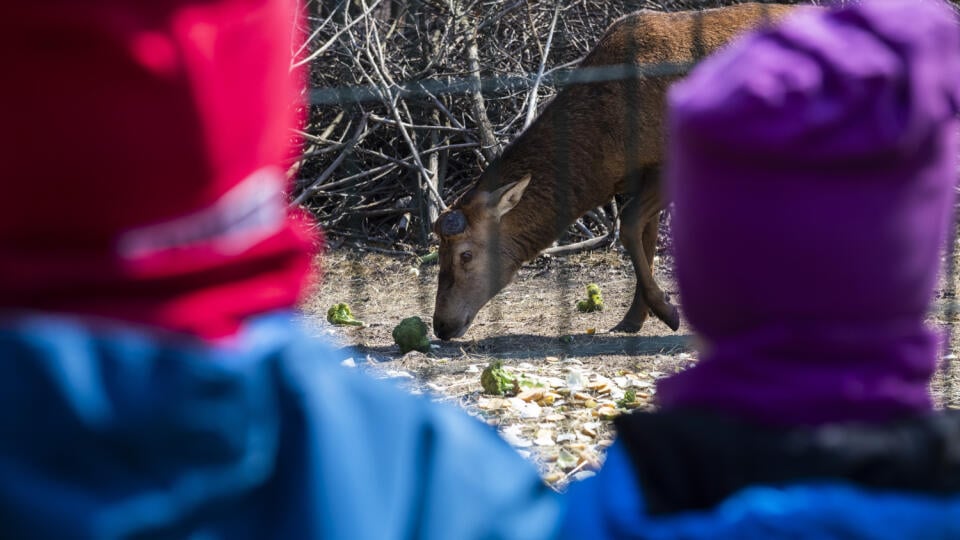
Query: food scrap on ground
{"points": [[564, 428], [594, 300], [411, 335], [429, 258], [340, 314], [497, 381]]}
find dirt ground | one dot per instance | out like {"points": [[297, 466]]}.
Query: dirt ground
{"points": [[575, 376]]}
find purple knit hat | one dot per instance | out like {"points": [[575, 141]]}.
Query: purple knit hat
{"points": [[813, 166]]}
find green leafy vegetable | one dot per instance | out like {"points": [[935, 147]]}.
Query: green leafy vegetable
{"points": [[341, 314], [594, 300], [498, 381], [411, 335]]}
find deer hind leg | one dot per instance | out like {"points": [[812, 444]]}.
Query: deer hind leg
{"points": [[662, 308], [639, 225]]}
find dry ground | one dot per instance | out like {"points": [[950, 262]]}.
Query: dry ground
{"points": [[561, 419]]}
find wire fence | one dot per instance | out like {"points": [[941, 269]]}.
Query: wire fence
{"points": [[414, 103]]}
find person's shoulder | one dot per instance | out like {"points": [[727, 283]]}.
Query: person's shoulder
{"points": [[613, 505]]}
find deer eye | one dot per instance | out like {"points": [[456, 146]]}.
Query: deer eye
{"points": [[466, 257]]}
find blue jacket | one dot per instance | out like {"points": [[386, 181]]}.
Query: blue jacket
{"points": [[112, 432], [611, 506]]}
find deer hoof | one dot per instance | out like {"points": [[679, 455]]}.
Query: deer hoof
{"points": [[627, 327], [672, 319]]}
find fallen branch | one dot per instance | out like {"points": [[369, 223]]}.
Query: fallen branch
{"points": [[585, 245]]}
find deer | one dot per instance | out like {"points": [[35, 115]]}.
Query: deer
{"points": [[597, 139]]}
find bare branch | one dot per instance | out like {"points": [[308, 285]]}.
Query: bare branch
{"points": [[570, 249], [323, 48], [358, 135], [491, 147], [532, 97]]}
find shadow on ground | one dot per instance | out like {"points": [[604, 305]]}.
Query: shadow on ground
{"points": [[531, 346]]}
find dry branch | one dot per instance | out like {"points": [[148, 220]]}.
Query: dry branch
{"points": [[358, 134], [592, 243], [491, 148], [532, 98]]}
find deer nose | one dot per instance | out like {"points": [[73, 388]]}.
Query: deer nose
{"points": [[444, 329]]}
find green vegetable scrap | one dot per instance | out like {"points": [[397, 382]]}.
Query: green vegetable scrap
{"points": [[629, 398], [411, 335], [341, 314], [594, 301], [429, 258], [498, 381]]}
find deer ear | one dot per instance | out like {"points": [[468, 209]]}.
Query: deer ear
{"points": [[506, 197]]}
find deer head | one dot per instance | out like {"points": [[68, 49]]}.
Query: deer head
{"points": [[473, 264]]}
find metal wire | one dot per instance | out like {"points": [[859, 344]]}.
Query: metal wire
{"points": [[462, 85]]}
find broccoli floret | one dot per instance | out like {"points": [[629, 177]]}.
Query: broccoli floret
{"points": [[497, 381], [411, 335], [594, 301], [341, 314]]}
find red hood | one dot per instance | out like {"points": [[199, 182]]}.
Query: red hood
{"points": [[144, 146]]}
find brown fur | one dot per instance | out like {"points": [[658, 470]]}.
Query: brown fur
{"points": [[593, 141]]}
